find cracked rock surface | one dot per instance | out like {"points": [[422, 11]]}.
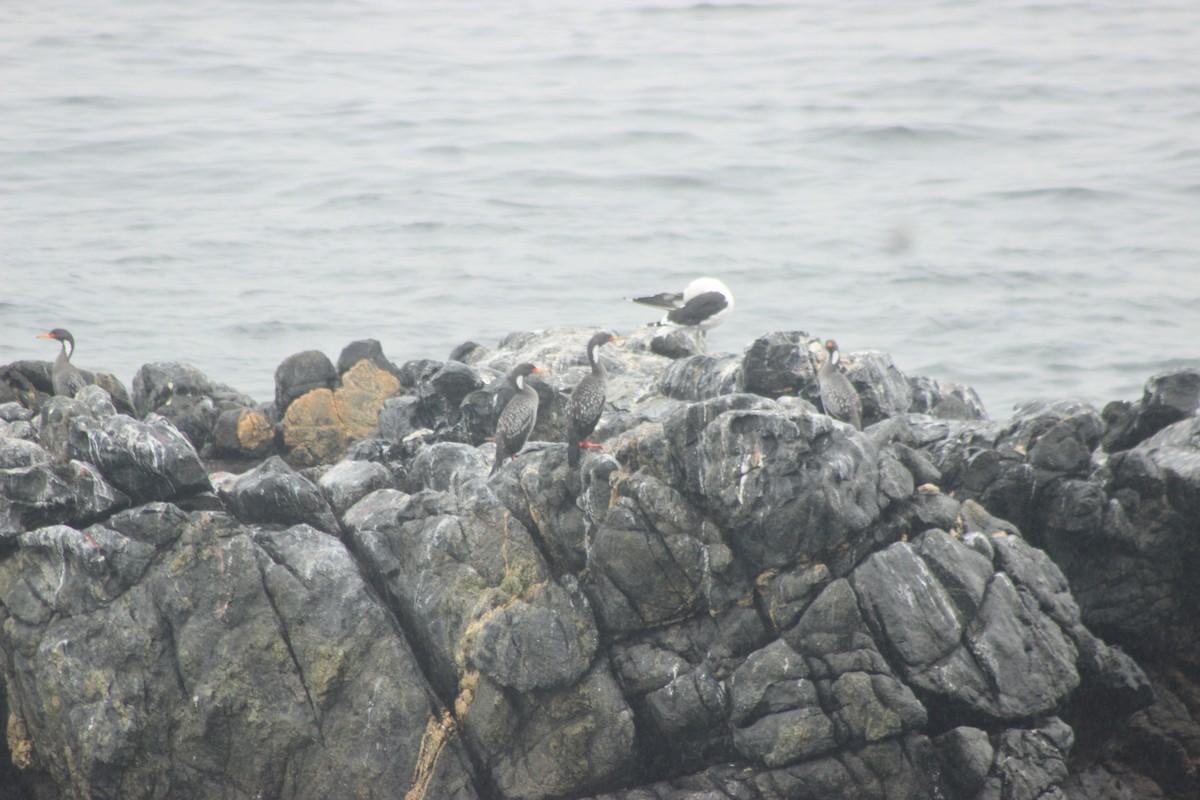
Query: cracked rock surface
{"points": [[738, 597]]}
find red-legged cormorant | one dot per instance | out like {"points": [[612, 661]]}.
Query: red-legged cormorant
{"points": [[587, 401], [838, 396], [518, 417], [67, 379]]}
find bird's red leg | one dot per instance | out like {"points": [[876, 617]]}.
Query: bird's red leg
{"points": [[590, 444]]}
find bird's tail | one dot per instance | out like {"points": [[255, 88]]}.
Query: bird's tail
{"points": [[496, 464], [573, 452]]}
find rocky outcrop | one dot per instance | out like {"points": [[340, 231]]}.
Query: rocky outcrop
{"points": [[737, 597]]}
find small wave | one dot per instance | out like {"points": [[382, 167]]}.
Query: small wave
{"points": [[714, 8], [1067, 193], [356, 200], [894, 134]]}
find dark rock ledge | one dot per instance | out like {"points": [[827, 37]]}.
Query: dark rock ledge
{"points": [[324, 595]]}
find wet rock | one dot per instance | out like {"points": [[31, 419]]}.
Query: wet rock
{"points": [[320, 425], [1167, 399], [468, 353], [48, 493], [944, 400], [996, 652], [446, 466], [301, 373], [365, 350], [780, 363], [349, 481], [182, 394], [701, 377], [652, 560], [275, 493], [503, 624], [147, 676], [243, 433], [883, 389], [966, 756], [147, 461], [763, 475]]}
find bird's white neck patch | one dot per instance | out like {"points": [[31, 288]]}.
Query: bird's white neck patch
{"points": [[520, 382], [70, 348]]}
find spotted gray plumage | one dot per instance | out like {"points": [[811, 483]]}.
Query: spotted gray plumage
{"points": [[587, 401], [838, 396], [518, 417], [67, 379]]}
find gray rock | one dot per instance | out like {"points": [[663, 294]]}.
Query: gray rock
{"points": [[148, 460], [765, 475], [1168, 398], [1031, 764], [966, 756], [998, 654], [446, 466], [182, 394], [466, 578], [893, 770], [883, 389], [673, 676], [365, 349], [299, 374], [780, 363], [944, 400], [701, 377], [275, 493], [15, 412], [775, 710], [652, 559], [158, 685], [46, 493], [349, 481]]}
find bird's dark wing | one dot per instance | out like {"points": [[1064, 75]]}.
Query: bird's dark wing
{"points": [[660, 300], [516, 423], [699, 308], [585, 407]]}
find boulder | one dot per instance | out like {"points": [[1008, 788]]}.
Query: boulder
{"points": [[243, 433], [275, 493], [944, 399], [980, 643], [349, 481], [781, 363], [44, 492], [158, 674], [301, 373], [1168, 398], [782, 485], [180, 393], [514, 646], [365, 350], [319, 426]]}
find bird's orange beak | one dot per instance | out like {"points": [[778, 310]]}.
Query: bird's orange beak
{"points": [[616, 338], [539, 369], [45, 336]]}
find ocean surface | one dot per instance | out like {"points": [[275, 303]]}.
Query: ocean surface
{"points": [[1005, 194]]}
